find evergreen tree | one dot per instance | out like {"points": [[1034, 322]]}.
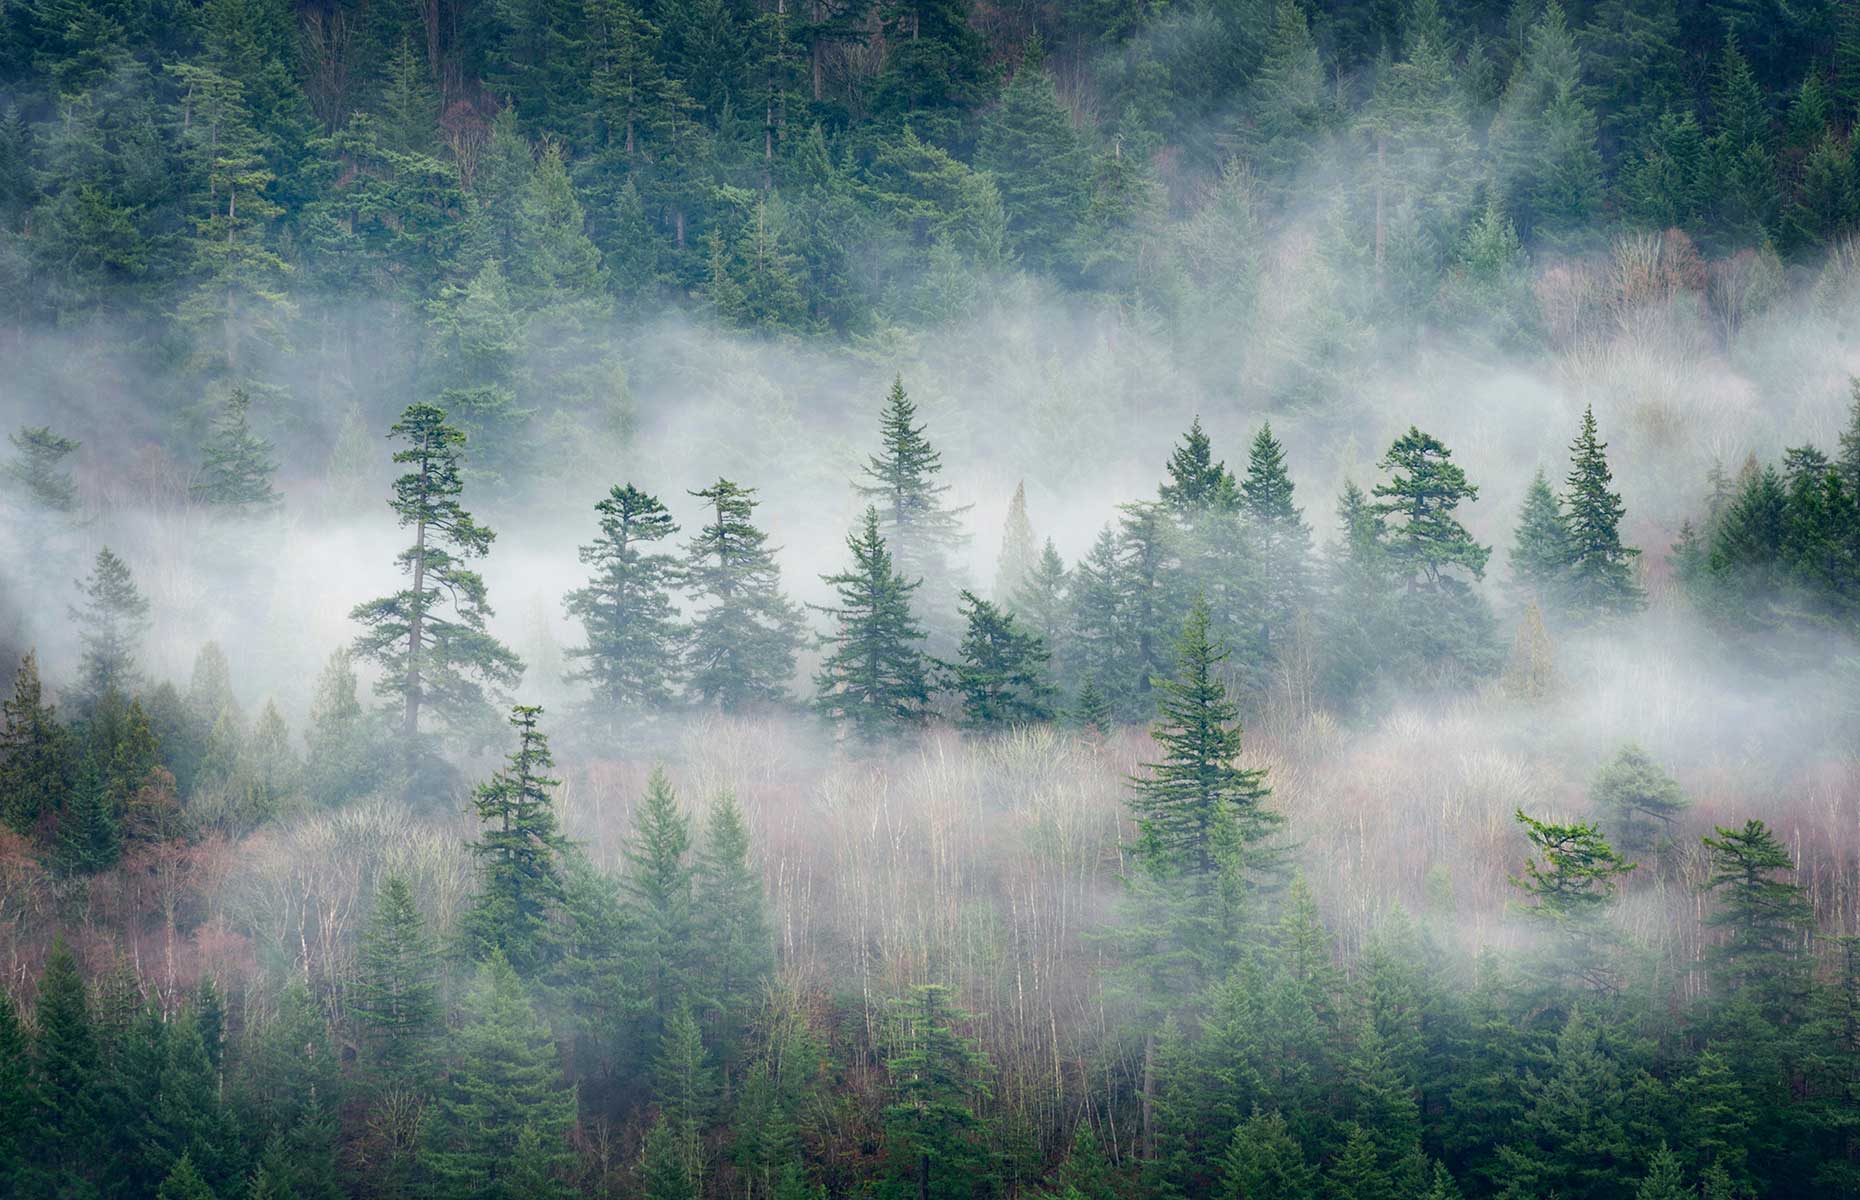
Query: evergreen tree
{"points": [[1027, 143], [684, 1085], [429, 658], [1663, 1180], [1197, 484], [1540, 551], [1196, 805], [37, 757], [65, 1072], [658, 888], [1001, 674], [1285, 540], [19, 1106], [396, 992], [1763, 918], [90, 838], [934, 1146], [1019, 557], [1040, 601], [236, 468], [872, 678], [908, 495], [184, 1183], [1572, 1138], [1600, 580], [518, 852], [1426, 539], [1264, 1162], [38, 468], [112, 619], [743, 639], [730, 915], [503, 1117], [635, 642], [1640, 799]]}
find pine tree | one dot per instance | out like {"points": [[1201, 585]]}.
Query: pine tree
{"points": [[1426, 539], [933, 1142], [729, 912], [236, 468], [518, 852], [505, 1094], [1001, 674], [1197, 484], [908, 495], [744, 638], [1763, 919], [111, 620], [1540, 550], [430, 659], [1019, 557], [658, 887], [38, 468], [37, 757], [873, 677], [1600, 580], [1190, 804], [635, 642], [1639, 797], [396, 993]]}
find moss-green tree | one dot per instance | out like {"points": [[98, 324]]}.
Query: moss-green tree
{"points": [[873, 678]]}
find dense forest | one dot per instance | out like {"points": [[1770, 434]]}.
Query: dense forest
{"points": [[645, 599]]}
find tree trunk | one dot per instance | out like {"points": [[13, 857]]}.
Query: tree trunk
{"points": [[1149, 1097]]}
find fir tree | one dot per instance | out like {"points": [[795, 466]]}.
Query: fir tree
{"points": [[236, 468], [684, 1084], [1571, 875], [1028, 144], [184, 1183], [1189, 805], [37, 757], [1425, 538], [908, 495], [396, 992], [1001, 673], [518, 853], [19, 1107], [1264, 1162], [1847, 462], [1572, 1138], [1197, 484], [744, 638], [635, 642], [38, 468], [658, 887], [90, 838], [1019, 558], [1763, 918], [505, 1094], [1663, 1180], [1600, 580], [933, 1140], [729, 913], [1099, 644], [1285, 540], [1540, 550], [873, 677], [65, 1069], [1091, 711], [429, 658], [1639, 797], [112, 619], [1040, 600]]}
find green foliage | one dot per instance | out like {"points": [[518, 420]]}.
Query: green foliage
{"points": [[38, 467], [744, 636], [933, 1138], [236, 465], [1763, 918], [907, 496], [518, 854], [111, 621], [37, 757], [1001, 674], [635, 642], [396, 995], [873, 678], [1639, 798], [1600, 580]]}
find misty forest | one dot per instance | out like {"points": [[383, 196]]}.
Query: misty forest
{"points": [[929, 599]]}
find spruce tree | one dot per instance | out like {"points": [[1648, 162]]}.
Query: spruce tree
{"points": [[184, 1183], [1197, 484], [1264, 1162], [236, 464], [1019, 557], [1600, 581], [730, 915], [1001, 674], [658, 888], [65, 1070], [1284, 539], [396, 993], [37, 755], [518, 853], [1040, 602], [1540, 551], [1423, 537], [430, 639], [19, 1105], [907, 493], [1763, 919], [111, 621], [1663, 1180], [505, 1092], [873, 678], [38, 468], [1028, 144], [90, 837], [744, 637], [934, 1146], [1572, 1138], [1639, 798], [635, 642], [1099, 644], [1191, 804]]}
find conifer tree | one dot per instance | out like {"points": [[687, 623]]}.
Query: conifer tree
{"points": [[1028, 144], [1264, 1162], [635, 642], [1600, 581], [1001, 674], [111, 621], [1569, 882], [873, 677], [184, 1183], [1091, 711], [38, 467], [684, 1084], [1572, 1138], [933, 1142], [19, 1107], [1639, 797], [236, 468], [396, 992], [429, 657], [1040, 602], [658, 888], [1188, 805], [90, 839], [1426, 539], [730, 915], [1847, 462], [1663, 1180], [1019, 557], [744, 637], [1540, 551], [907, 493], [65, 1069], [1099, 644], [1197, 484], [518, 852], [1284, 539], [37, 756], [505, 1094], [1763, 918]]}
